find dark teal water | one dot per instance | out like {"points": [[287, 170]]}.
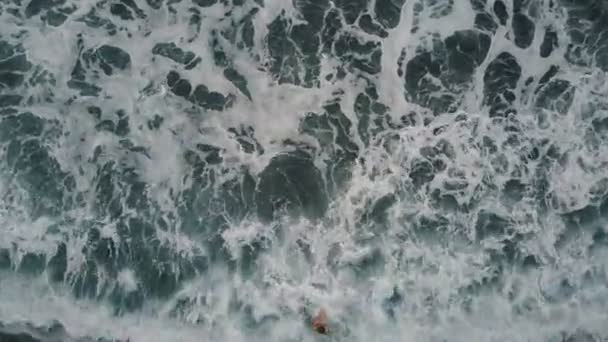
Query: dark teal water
{"points": [[217, 170]]}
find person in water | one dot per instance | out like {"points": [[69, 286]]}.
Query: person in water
{"points": [[319, 322]]}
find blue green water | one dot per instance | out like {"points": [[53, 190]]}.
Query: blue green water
{"points": [[217, 170]]}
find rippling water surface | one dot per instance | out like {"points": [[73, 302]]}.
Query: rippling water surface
{"points": [[216, 170]]}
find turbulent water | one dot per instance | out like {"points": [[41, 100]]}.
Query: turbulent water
{"points": [[217, 170]]}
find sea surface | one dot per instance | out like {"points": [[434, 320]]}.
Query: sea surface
{"points": [[218, 170]]}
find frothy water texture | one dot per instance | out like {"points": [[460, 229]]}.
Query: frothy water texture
{"points": [[217, 170]]}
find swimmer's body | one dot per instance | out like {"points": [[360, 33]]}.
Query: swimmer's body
{"points": [[319, 322]]}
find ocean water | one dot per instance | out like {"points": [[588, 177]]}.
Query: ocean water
{"points": [[217, 170]]}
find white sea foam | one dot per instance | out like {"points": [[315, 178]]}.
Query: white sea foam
{"points": [[444, 277]]}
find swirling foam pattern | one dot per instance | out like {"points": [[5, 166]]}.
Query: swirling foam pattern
{"points": [[216, 170]]}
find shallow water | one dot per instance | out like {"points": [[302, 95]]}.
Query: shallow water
{"points": [[217, 170]]}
